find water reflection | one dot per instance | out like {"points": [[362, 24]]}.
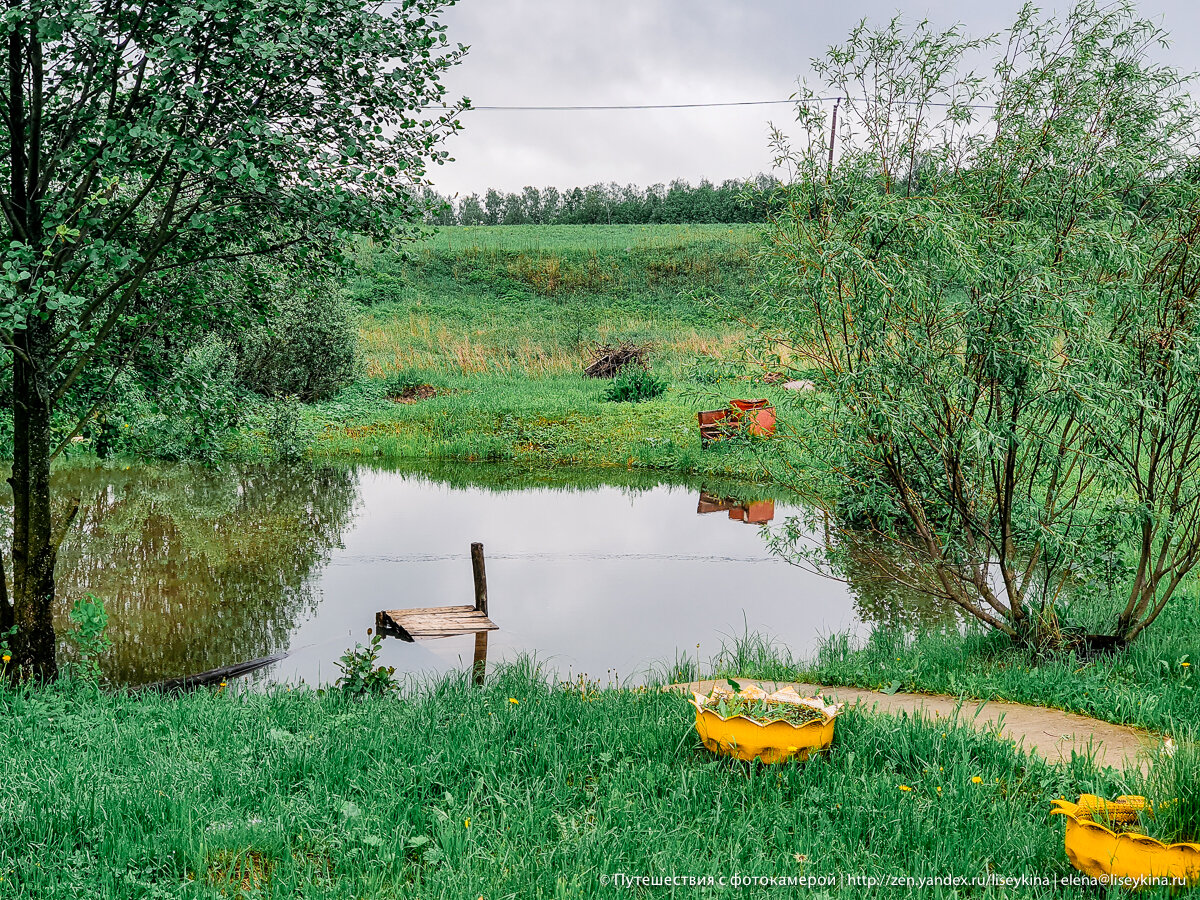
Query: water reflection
{"points": [[203, 568], [200, 568], [752, 512], [890, 589]]}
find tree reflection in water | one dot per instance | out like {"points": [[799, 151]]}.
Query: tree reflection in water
{"points": [[887, 586], [199, 568]]}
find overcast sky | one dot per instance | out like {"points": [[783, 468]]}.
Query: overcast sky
{"points": [[594, 52]]}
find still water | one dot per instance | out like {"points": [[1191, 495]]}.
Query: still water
{"points": [[203, 568]]}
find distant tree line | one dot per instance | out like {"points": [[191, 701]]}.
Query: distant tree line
{"points": [[733, 200]]}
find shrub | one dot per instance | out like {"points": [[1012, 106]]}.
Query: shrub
{"points": [[633, 385], [192, 413], [90, 619], [360, 676], [284, 430], [306, 346]]}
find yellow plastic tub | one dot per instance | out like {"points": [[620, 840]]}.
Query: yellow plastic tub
{"points": [[770, 741], [1101, 852]]}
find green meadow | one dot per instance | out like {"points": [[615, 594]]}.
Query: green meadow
{"points": [[523, 789], [500, 322]]}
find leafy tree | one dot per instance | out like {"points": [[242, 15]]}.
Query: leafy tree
{"points": [[531, 205], [551, 205], [145, 138], [439, 210], [513, 211], [733, 201], [493, 206], [1000, 308], [470, 211]]}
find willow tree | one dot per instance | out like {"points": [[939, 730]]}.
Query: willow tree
{"points": [[993, 277], [142, 138]]}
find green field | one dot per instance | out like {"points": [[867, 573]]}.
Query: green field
{"points": [[519, 790], [500, 322]]}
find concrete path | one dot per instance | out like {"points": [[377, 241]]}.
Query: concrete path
{"points": [[1052, 733]]}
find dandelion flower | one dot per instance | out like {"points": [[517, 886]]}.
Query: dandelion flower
{"points": [[976, 780], [513, 700], [466, 823], [6, 657], [1185, 664], [905, 787]]}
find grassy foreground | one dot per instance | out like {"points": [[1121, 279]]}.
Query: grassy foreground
{"points": [[500, 321], [517, 790]]}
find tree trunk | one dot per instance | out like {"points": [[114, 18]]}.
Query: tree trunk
{"points": [[33, 549], [6, 610]]}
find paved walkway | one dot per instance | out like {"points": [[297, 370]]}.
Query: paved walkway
{"points": [[1052, 733]]}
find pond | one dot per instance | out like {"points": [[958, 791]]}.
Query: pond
{"points": [[202, 568]]}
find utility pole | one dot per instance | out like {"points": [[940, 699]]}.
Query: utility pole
{"points": [[833, 136]]}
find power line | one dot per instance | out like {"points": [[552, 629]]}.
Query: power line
{"points": [[698, 105], [616, 106]]}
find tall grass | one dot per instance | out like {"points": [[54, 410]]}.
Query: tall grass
{"points": [[521, 789]]}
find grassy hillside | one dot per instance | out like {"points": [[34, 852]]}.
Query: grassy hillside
{"points": [[500, 321]]}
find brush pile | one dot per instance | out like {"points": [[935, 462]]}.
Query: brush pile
{"points": [[609, 359]]}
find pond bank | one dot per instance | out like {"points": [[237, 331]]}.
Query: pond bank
{"points": [[1053, 734]]}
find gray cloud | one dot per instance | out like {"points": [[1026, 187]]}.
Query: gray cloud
{"points": [[586, 52]]}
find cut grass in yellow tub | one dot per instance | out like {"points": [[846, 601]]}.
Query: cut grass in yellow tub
{"points": [[1099, 851], [751, 724]]}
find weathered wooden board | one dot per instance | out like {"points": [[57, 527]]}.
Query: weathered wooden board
{"points": [[433, 622]]}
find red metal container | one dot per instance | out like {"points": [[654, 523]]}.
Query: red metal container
{"points": [[760, 511], [711, 503], [715, 424], [756, 416]]}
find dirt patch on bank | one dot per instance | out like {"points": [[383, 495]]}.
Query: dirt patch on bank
{"points": [[416, 394]]}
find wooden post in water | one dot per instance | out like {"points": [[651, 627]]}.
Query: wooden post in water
{"points": [[479, 664], [480, 578]]}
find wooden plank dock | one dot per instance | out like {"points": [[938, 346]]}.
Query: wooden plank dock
{"points": [[428, 622], [432, 622]]}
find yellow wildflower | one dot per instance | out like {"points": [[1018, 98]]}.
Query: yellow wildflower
{"points": [[976, 780], [513, 700], [905, 787], [466, 823], [6, 657]]}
